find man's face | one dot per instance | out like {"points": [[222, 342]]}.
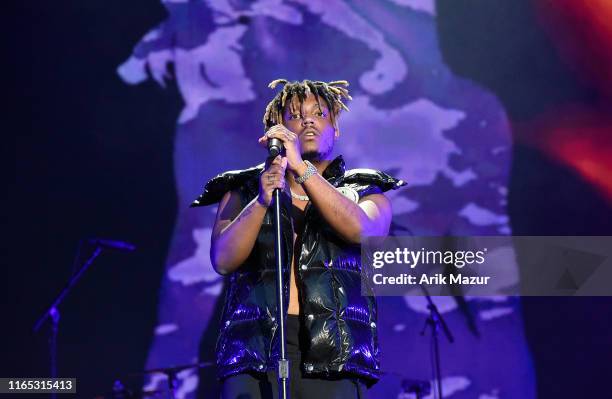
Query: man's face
{"points": [[314, 127]]}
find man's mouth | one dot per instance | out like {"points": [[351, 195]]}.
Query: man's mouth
{"points": [[310, 133]]}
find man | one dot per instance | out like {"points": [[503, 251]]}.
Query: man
{"points": [[331, 328]]}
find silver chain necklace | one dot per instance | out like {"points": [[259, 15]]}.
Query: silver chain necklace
{"points": [[299, 197]]}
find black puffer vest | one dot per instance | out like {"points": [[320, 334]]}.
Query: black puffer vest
{"points": [[341, 323]]}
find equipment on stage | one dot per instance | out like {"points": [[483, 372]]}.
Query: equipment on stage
{"points": [[112, 244], [275, 147], [410, 388], [53, 312], [419, 388], [120, 391], [435, 321], [283, 362]]}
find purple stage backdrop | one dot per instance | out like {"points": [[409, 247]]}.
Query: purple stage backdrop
{"points": [[410, 116]]}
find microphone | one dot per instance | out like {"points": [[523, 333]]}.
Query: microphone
{"points": [[112, 244], [275, 147]]}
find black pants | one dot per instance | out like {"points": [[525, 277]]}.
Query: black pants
{"points": [[247, 386]]}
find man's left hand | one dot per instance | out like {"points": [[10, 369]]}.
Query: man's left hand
{"points": [[291, 143]]}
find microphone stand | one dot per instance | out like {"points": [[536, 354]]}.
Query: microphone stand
{"points": [[435, 321], [283, 362], [54, 314]]}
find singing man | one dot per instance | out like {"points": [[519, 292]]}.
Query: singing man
{"points": [[331, 328]]}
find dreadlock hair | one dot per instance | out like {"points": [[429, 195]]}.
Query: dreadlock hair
{"points": [[331, 92]]}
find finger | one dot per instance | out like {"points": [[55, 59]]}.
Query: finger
{"points": [[277, 160], [263, 142], [280, 184], [276, 174], [271, 134], [271, 164], [278, 134], [283, 129], [284, 163], [277, 128], [271, 173], [290, 135]]}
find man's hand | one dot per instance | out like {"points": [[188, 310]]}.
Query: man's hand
{"points": [[273, 177], [290, 142]]}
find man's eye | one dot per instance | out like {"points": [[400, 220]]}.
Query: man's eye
{"points": [[296, 116]]}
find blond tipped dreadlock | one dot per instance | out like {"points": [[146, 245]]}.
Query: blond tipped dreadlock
{"points": [[332, 93]]}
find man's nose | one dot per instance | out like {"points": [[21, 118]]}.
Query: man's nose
{"points": [[307, 120]]}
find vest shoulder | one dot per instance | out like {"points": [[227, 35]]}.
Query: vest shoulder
{"points": [[366, 180], [230, 180]]}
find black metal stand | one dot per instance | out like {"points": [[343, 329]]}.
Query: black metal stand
{"points": [[54, 314], [172, 384], [435, 321], [172, 376], [419, 388], [283, 362]]}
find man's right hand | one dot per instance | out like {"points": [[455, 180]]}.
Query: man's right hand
{"points": [[273, 177]]}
